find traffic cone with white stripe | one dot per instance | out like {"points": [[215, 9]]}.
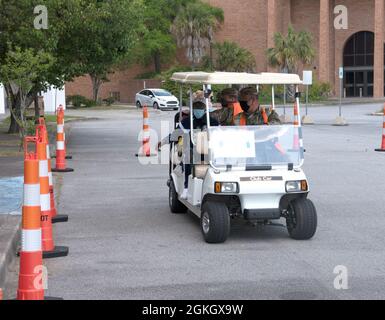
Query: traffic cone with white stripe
{"points": [[61, 149], [31, 256], [145, 150], [296, 125], [49, 249], [382, 149], [56, 218]]}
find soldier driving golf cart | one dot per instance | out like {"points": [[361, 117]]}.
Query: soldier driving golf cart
{"points": [[240, 172]]}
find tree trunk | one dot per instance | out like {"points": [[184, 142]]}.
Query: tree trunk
{"points": [[157, 63], [211, 56], [14, 104], [37, 109], [14, 126], [96, 83]]}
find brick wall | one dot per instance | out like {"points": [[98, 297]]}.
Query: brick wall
{"points": [[247, 23]]}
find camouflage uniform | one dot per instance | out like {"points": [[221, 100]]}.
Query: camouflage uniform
{"points": [[256, 118], [224, 116]]}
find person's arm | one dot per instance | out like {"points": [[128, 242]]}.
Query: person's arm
{"points": [[174, 136], [220, 115], [274, 118]]}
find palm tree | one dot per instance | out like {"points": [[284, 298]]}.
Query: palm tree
{"points": [[194, 29], [291, 51], [232, 58]]}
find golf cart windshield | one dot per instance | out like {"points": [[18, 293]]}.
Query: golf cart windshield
{"points": [[255, 147]]}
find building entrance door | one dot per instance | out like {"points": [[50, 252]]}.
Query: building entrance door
{"points": [[358, 83]]}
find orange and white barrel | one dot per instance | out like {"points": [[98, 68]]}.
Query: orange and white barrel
{"points": [[50, 177], [60, 141], [146, 133], [45, 198], [382, 149], [31, 258]]}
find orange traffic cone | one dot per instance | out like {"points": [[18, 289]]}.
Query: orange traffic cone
{"points": [[31, 257], [61, 149], [146, 145], [49, 249], [56, 218], [296, 127], [383, 136]]}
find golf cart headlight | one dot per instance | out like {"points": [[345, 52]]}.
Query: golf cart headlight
{"points": [[226, 187], [296, 186]]}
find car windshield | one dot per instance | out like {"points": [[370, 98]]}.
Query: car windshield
{"points": [[162, 93], [255, 146]]}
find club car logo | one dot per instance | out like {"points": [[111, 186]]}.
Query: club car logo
{"points": [[261, 178]]}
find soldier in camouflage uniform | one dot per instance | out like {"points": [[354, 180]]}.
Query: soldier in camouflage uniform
{"points": [[230, 113], [254, 112]]}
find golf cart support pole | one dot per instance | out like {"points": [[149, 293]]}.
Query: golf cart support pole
{"points": [[180, 102], [191, 117], [207, 97]]}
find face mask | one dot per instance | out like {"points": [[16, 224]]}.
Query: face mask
{"points": [[245, 107], [198, 114]]}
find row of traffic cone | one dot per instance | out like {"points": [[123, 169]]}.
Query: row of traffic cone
{"points": [[39, 212]]}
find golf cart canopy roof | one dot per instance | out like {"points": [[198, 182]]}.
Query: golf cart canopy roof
{"points": [[235, 78]]}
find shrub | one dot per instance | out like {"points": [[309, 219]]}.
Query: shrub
{"points": [[319, 91], [109, 101], [79, 101], [30, 128]]}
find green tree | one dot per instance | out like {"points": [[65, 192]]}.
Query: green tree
{"points": [[194, 28], [103, 36], [232, 58], [157, 44], [18, 34], [291, 51], [19, 72]]}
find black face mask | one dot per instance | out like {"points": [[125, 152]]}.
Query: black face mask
{"points": [[245, 107]]}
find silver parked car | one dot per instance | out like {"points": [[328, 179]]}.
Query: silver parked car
{"points": [[156, 98]]}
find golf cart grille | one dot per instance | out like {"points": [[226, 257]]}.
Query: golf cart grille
{"points": [[261, 214]]}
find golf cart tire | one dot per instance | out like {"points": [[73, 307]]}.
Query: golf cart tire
{"points": [[219, 222], [175, 205], [306, 219]]}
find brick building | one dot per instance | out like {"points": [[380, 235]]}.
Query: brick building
{"points": [[359, 47]]}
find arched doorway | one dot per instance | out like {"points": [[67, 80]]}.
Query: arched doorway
{"points": [[358, 64]]}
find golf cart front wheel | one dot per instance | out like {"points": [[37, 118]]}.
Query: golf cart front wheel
{"points": [[215, 222], [175, 205], [302, 219]]}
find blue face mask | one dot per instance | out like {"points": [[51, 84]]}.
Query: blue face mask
{"points": [[199, 114]]}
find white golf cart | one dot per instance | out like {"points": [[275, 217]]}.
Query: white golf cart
{"points": [[248, 172]]}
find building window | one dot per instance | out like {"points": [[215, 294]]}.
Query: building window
{"points": [[358, 60], [359, 50], [115, 95]]}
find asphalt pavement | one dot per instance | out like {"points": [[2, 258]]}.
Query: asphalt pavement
{"points": [[125, 243]]}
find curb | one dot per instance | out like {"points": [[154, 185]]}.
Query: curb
{"points": [[10, 230]]}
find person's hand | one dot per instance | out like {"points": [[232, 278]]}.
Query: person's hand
{"points": [[159, 145]]}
